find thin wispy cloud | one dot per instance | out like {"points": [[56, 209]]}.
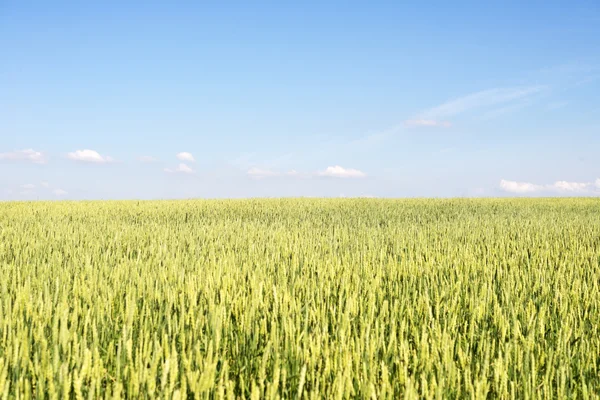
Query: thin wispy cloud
{"points": [[262, 173], [509, 108], [571, 75], [251, 161], [243, 160], [42, 190], [147, 159], [373, 139], [330, 172], [279, 160], [558, 187], [427, 123], [491, 103], [185, 156], [573, 69], [557, 105], [89, 156], [60, 192], [47, 188], [480, 100], [181, 169], [26, 155]]}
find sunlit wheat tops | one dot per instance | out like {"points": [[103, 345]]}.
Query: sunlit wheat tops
{"points": [[300, 299]]}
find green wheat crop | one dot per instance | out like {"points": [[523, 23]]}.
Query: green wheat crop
{"points": [[349, 298]]}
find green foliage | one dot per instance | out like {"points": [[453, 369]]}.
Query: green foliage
{"points": [[300, 298]]}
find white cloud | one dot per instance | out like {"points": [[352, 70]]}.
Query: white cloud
{"points": [[59, 192], [28, 155], [185, 156], [90, 156], [147, 159], [427, 123], [562, 187], [339, 172], [519, 187], [181, 168], [28, 186], [45, 185]]}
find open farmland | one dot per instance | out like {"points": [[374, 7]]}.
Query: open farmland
{"points": [[302, 298]]}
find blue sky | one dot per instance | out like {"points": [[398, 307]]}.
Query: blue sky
{"points": [[231, 99]]}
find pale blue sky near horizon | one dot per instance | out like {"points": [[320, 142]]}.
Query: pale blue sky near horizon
{"points": [[117, 100]]}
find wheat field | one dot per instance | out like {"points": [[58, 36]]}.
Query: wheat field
{"points": [[300, 298]]}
